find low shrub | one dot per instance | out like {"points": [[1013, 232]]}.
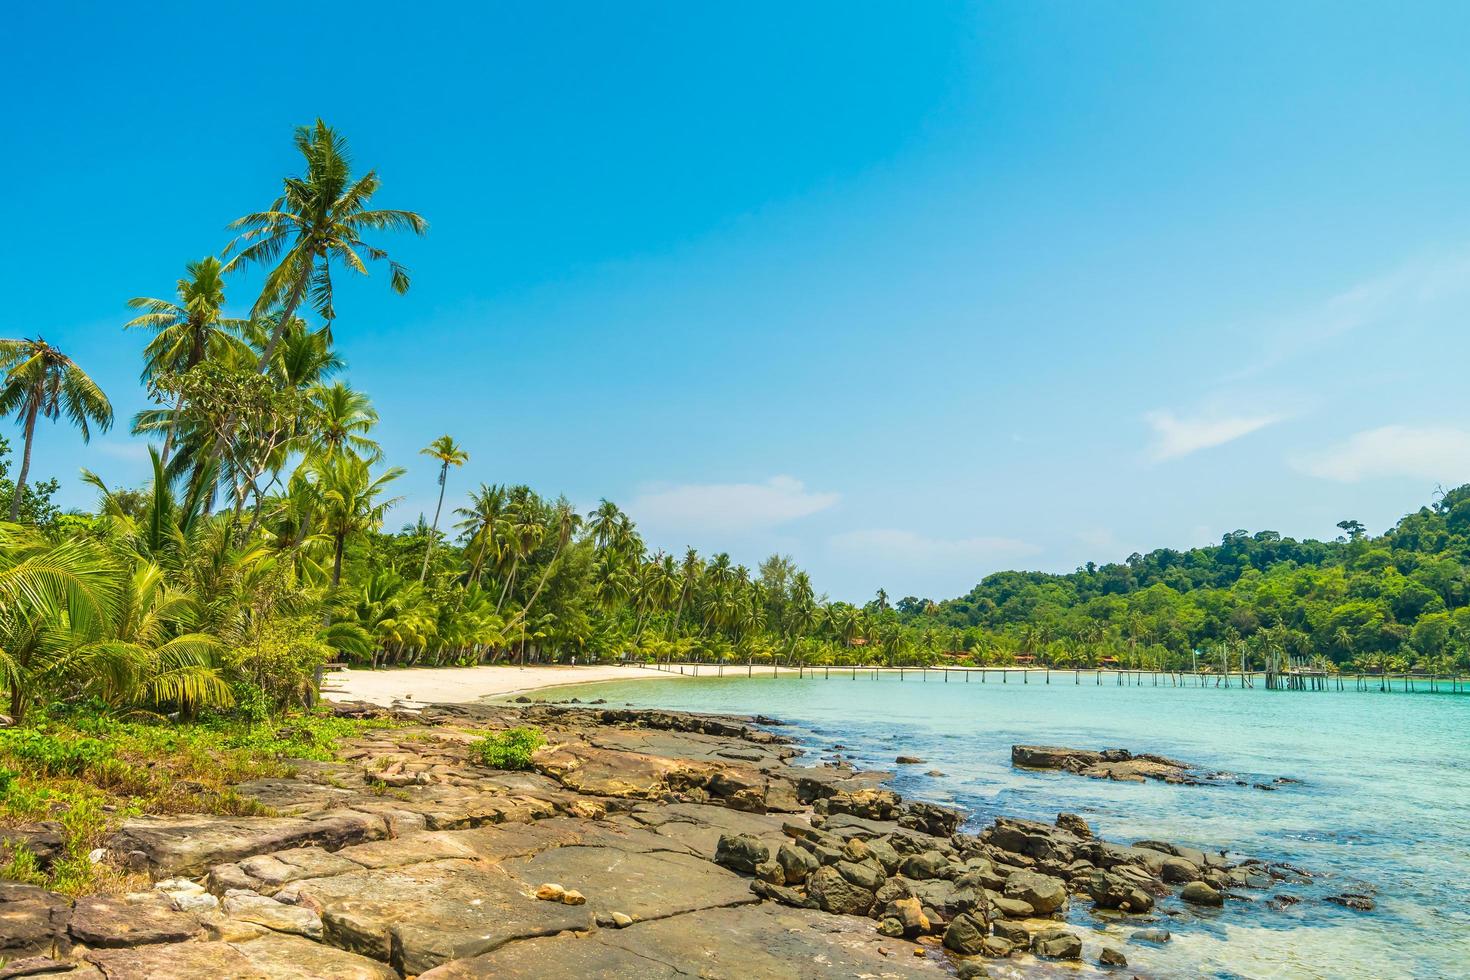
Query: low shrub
{"points": [[510, 749]]}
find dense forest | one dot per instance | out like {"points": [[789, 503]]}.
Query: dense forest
{"points": [[1394, 602], [257, 552]]}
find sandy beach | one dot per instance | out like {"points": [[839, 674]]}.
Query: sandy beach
{"points": [[460, 685]]}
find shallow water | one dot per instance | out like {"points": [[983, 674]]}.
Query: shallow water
{"points": [[1384, 803]]}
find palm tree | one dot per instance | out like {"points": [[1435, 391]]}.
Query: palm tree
{"points": [[350, 501], [41, 380], [185, 331], [316, 222], [481, 526], [41, 587], [448, 454], [339, 421]]}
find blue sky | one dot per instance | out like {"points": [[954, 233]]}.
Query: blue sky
{"points": [[911, 292]]}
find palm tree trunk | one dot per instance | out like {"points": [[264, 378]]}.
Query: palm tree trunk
{"points": [[173, 425], [25, 461], [434, 528], [508, 580], [337, 561]]}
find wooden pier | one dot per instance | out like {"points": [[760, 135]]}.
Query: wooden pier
{"points": [[1290, 678]]}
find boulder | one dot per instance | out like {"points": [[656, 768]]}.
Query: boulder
{"points": [[1111, 890], [741, 852], [965, 935], [910, 915], [866, 876], [796, 863], [1199, 893], [1057, 944], [1074, 824], [1043, 893], [1179, 871], [1013, 932], [1111, 956], [1154, 937], [930, 818], [834, 893], [996, 947], [930, 864]]}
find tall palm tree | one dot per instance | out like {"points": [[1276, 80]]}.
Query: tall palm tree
{"points": [[481, 526], [186, 330], [42, 381], [339, 420], [317, 221], [349, 501], [448, 454]]}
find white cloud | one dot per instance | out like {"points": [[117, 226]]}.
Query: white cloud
{"points": [[1426, 453], [892, 546], [1175, 436], [728, 506]]}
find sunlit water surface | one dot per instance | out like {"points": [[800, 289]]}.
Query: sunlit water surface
{"points": [[1384, 802]]}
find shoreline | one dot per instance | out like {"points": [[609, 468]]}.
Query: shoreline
{"points": [[633, 842], [420, 686]]}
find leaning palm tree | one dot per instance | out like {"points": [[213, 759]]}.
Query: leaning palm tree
{"points": [[42, 381], [185, 330], [318, 220], [448, 454]]}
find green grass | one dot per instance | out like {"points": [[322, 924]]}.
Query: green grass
{"points": [[89, 771], [510, 749]]}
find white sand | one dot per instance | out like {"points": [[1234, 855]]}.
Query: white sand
{"points": [[458, 685]]}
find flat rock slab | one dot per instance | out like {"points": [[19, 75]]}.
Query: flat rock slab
{"points": [[191, 845], [699, 826], [112, 922], [290, 958], [644, 885], [176, 961], [31, 919], [766, 941], [420, 915], [1119, 765]]}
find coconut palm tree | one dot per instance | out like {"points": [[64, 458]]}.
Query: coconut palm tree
{"points": [[42, 381], [317, 222], [350, 501], [482, 524], [339, 420], [448, 454], [186, 330], [50, 595]]}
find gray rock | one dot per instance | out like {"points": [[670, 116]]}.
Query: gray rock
{"points": [[1154, 937], [1074, 824], [113, 922], [930, 864], [834, 893], [1111, 956], [1111, 890], [741, 852], [965, 935], [1043, 893], [1057, 944], [1199, 893], [797, 863]]}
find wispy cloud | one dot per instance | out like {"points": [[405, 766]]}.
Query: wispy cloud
{"points": [[892, 546], [1176, 436], [1427, 453], [1405, 294], [728, 506]]}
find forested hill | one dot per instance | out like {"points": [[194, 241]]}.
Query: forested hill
{"points": [[1403, 596]]}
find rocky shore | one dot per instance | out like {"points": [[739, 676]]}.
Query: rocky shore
{"points": [[640, 844]]}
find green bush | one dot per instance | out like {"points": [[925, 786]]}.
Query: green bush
{"points": [[510, 749]]}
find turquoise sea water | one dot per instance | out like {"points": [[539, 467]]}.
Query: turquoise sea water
{"points": [[1384, 802]]}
